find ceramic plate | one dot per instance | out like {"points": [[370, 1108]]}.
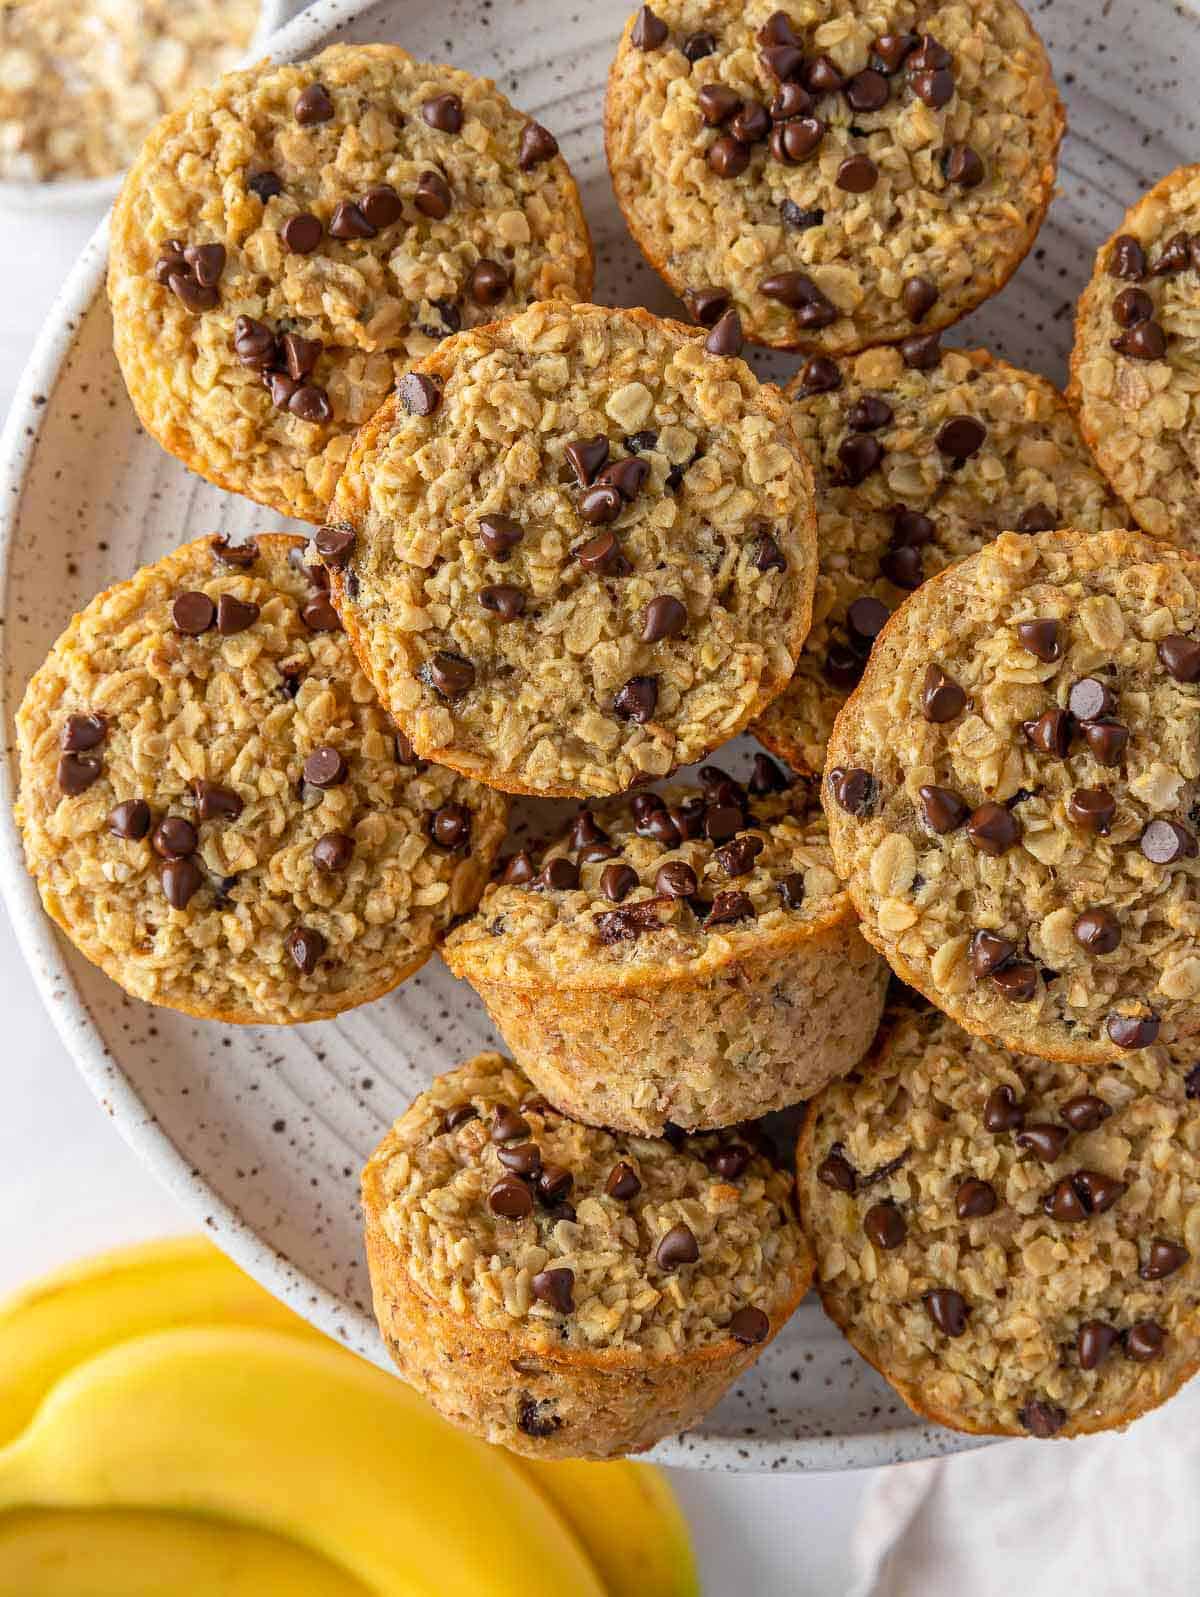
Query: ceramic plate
{"points": [[263, 1132]]}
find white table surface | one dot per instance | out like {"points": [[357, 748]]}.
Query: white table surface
{"points": [[70, 1186]]}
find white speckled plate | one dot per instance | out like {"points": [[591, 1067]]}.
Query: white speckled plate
{"points": [[262, 1132]]}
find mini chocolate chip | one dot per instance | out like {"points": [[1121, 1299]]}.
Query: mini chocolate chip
{"points": [[519, 870], [432, 196], [1107, 740], [130, 820], [193, 613], [859, 455], [617, 881], [993, 829], [235, 615], [381, 205], [1164, 842], [726, 337], [921, 352], [891, 50], [637, 700], [819, 375], [1132, 1031], [1092, 808], [884, 1225], [181, 880], [214, 802], [1128, 259], [503, 600], [1017, 981], [1180, 657], [990, 952], [488, 283], [675, 879], [737, 857], [1045, 1141], [306, 945], [974, 1199], [1084, 1112], [706, 306], [333, 852], [451, 675], [1146, 341], [729, 907], [679, 1246], [857, 174], [175, 838], [623, 1182], [1037, 518], [1042, 1419], [538, 144], [302, 233], [1051, 733], [948, 1310], [918, 296], [555, 1287], [559, 875], [941, 696], [1041, 638], [855, 790], [944, 810], [419, 394], [648, 31], [935, 88], [510, 1198], [1090, 698], [664, 617], [1144, 1341], [961, 437], [499, 535], [319, 615], [585, 456], [450, 826], [1002, 1112]]}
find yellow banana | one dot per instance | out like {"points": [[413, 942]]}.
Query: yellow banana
{"points": [[296, 1438], [64, 1318], [627, 1518], [82, 1553]]}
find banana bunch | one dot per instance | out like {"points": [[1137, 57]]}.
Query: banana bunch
{"points": [[166, 1427]]}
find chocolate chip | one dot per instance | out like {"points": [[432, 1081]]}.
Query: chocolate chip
{"points": [[585, 456], [319, 615], [855, 790], [679, 1246], [990, 952], [214, 802], [737, 857], [265, 184], [238, 555], [729, 907], [884, 1225], [555, 1287], [1098, 930], [903, 567], [962, 165], [943, 809], [617, 881], [522, 1158], [503, 600], [75, 773], [891, 50], [253, 343], [993, 830], [749, 1326], [325, 767], [843, 668], [941, 696], [948, 1310], [419, 394], [488, 283], [1099, 1192], [603, 553], [1017, 982], [1041, 638], [799, 219], [868, 414], [1084, 1112], [722, 821], [974, 1199], [778, 29], [193, 613], [751, 124], [767, 555], [821, 76], [1132, 1031], [868, 90], [1107, 740], [1045, 1141], [432, 196], [866, 619], [728, 157], [451, 675], [301, 234], [1146, 341], [1180, 657], [381, 205], [235, 615], [281, 388], [1090, 698], [675, 879], [1042, 1419], [961, 437], [1132, 306], [1092, 808], [519, 870], [706, 306], [1145, 1341], [836, 1171], [458, 1115], [1051, 733], [627, 476], [726, 337], [130, 820], [664, 617], [918, 296], [444, 112], [510, 1198], [648, 31], [559, 875], [791, 890], [782, 61], [80, 732], [857, 174], [349, 222], [310, 403], [1128, 259], [584, 830], [793, 100], [910, 529], [1037, 518], [305, 945], [1174, 256], [1163, 1259], [499, 535], [935, 88], [507, 1124], [819, 375], [1002, 1112], [554, 1182], [1094, 1341], [859, 455], [637, 700], [175, 838], [538, 144], [450, 826], [333, 852], [181, 881], [1164, 842], [767, 777], [921, 352], [797, 290]]}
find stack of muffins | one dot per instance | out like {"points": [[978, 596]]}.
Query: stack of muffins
{"points": [[566, 551]]}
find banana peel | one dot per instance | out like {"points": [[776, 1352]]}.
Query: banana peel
{"points": [[111, 1553], [624, 1515]]}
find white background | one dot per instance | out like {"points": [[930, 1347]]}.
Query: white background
{"points": [[69, 1185]]}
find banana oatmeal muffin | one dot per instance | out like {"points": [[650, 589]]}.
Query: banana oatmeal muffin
{"points": [[567, 1291], [292, 239], [686, 959], [1137, 347], [838, 175], [1013, 1244], [1013, 793], [915, 469], [576, 550], [215, 808]]}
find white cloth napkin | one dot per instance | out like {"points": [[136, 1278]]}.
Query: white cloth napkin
{"points": [[1101, 1516]]}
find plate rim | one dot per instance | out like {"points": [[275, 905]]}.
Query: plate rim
{"points": [[44, 953]]}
